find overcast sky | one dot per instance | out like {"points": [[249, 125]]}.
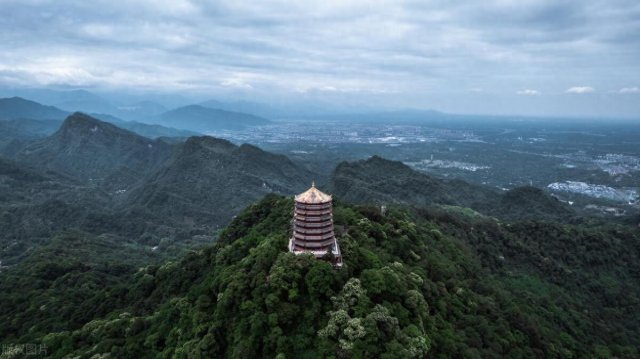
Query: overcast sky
{"points": [[532, 57]]}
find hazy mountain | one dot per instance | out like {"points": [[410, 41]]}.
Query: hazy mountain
{"points": [[141, 110], [88, 148], [204, 119], [380, 181], [84, 101], [210, 180], [18, 108], [23, 112], [254, 108], [144, 129]]}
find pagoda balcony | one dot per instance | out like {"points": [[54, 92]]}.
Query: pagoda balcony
{"points": [[313, 207], [313, 225], [314, 212], [326, 217], [313, 231], [314, 245], [306, 237]]}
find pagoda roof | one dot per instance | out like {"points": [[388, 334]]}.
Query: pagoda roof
{"points": [[313, 195]]}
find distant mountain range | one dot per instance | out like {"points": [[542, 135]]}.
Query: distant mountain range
{"points": [[205, 119], [180, 122], [144, 129], [254, 108], [18, 108]]}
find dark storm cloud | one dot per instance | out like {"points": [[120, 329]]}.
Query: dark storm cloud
{"points": [[416, 52]]}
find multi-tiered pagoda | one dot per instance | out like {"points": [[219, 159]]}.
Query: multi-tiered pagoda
{"points": [[313, 226]]}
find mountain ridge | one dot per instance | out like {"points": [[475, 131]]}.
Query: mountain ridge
{"points": [[208, 179], [204, 119], [381, 181], [17, 108], [88, 148]]}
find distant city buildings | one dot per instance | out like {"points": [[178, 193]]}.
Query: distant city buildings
{"points": [[596, 191]]}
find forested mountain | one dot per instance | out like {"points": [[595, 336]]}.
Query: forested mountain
{"points": [[209, 180], [427, 284], [87, 148], [204, 119], [16, 134], [19, 108], [94, 177], [380, 181]]}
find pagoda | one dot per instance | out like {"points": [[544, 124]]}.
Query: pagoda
{"points": [[313, 226]]}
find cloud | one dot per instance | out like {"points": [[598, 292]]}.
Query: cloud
{"points": [[236, 82], [626, 90], [580, 89], [405, 52], [528, 92]]}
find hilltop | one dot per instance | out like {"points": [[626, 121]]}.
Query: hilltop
{"points": [[412, 286], [87, 148]]}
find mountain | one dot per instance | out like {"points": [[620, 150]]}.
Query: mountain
{"points": [[25, 114], [16, 134], [208, 180], [36, 203], [20, 183], [154, 131], [380, 181], [94, 177], [90, 149], [144, 129], [69, 100], [531, 202], [18, 108], [84, 101], [141, 110], [254, 108], [203, 119], [413, 286]]}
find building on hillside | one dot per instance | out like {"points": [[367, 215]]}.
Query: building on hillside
{"points": [[313, 226]]}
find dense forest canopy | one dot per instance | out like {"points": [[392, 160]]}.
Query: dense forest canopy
{"points": [[436, 283]]}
